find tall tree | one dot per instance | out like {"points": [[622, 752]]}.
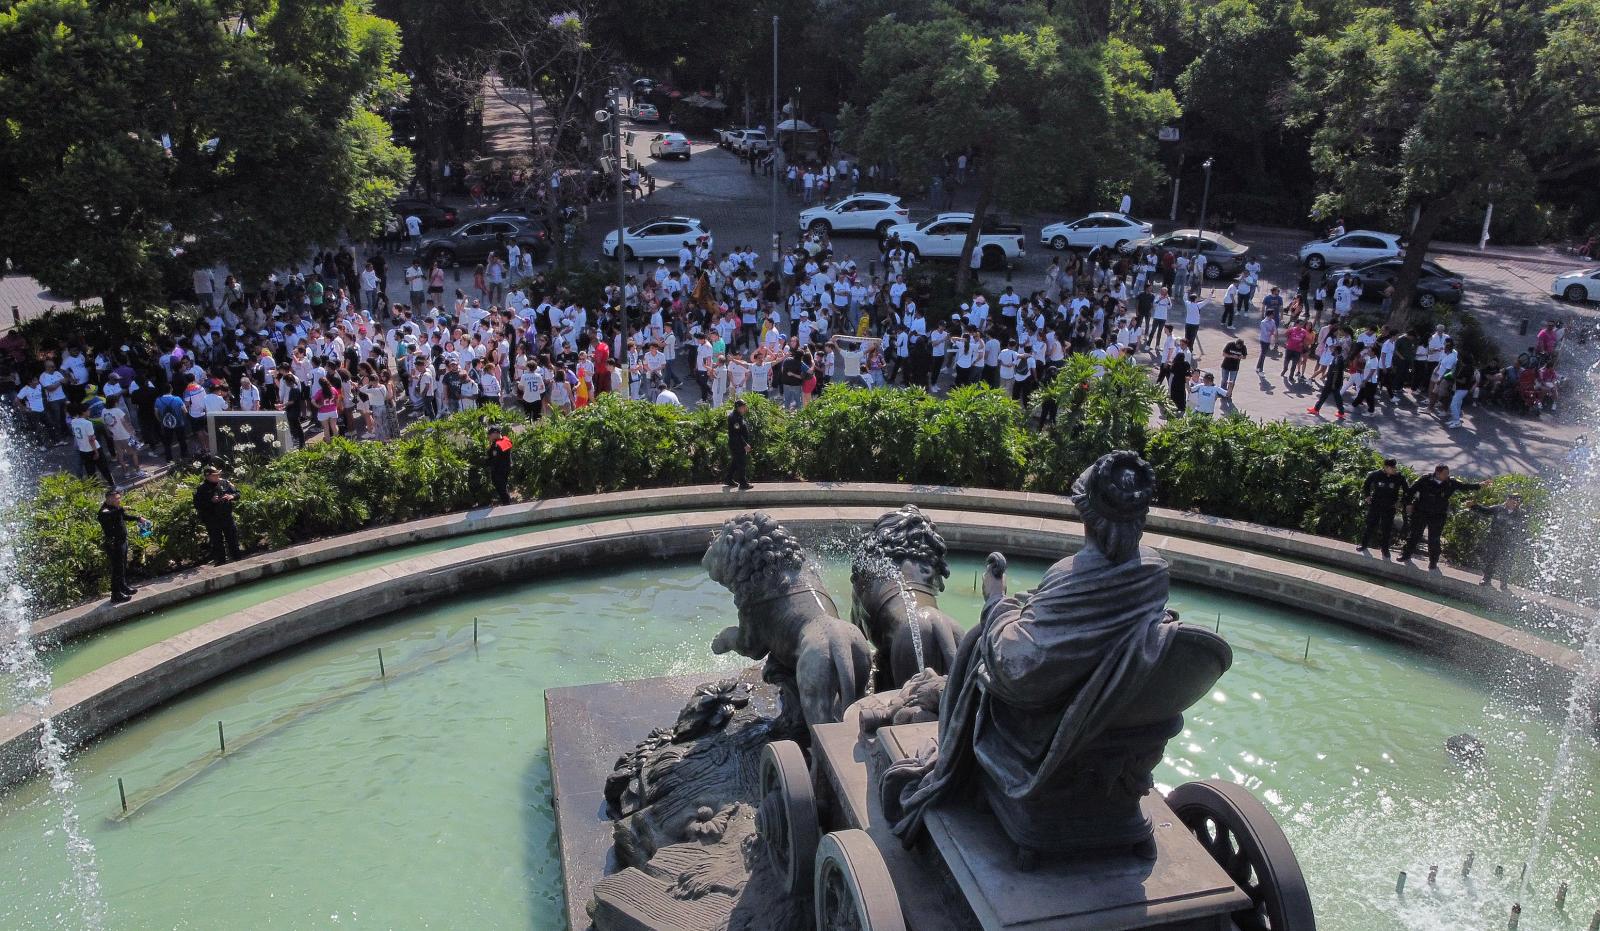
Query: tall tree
{"points": [[1046, 121], [1434, 105], [138, 134]]}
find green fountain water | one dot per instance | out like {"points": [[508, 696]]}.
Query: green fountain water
{"points": [[421, 800]]}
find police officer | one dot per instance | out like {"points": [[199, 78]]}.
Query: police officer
{"points": [[1383, 490], [500, 464], [738, 448], [213, 501], [113, 524], [1428, 504], [1507, 524]]}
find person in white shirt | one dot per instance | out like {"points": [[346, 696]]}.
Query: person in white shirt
{"points": [[90, 455], [249, 395], [1205, 392], [1191, 322], [1267, 331]]}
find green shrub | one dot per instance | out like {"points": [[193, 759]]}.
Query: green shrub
{"points": [[974, 437], [613, 444], [1285, 475], [59, 327], [865, 434], [1095, 415], [1465, 531]]}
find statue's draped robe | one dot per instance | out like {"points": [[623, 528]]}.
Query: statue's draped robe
{"points": [[1039, 678]]}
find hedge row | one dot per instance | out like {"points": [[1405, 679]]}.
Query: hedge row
{"points": [[1301, 477]]}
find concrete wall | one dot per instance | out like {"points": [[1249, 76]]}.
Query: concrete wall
{"points": [[157, 594], [91, 704]]}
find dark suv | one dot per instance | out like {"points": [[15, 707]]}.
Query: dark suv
{"points": [[472, 242], [433, 216]]}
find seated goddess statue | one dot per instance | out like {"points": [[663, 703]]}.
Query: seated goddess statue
{"points": [[1060, 702]]}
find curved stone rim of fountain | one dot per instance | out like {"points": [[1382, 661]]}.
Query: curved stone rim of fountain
{"points": [[92, 704], [167, 591]]}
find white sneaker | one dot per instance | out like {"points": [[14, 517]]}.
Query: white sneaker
{"points": [[1453, 424]]}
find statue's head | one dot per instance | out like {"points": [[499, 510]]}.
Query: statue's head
{"points": [[750, 550], [900, 537], [1113, 498]]}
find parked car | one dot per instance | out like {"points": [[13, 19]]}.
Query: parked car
{"points": [[1224, 257], [669, 145], [472, 242], [644, 113], [727, 135], [943, 236], [433, 216], [1096, 229], [1352, 248], [751, 140], [658, 237], [643, 87], [856, 213], [1577, 286], [1435, 283]]}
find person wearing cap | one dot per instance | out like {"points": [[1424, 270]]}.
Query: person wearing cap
{"points": [[1508, 523], [500, 463], [114, 520], [214, 499], [739, 448], [1382, 491]]}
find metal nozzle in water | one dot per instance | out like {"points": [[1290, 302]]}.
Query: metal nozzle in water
{"points": [[1516, 916], [1433, 875], [1499, 872], [1400, 884], [1594, 923], [1466, 867], [1561, 897]]}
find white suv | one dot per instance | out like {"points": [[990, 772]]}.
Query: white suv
{"points": [[943, 236], [1353, 248], [658, 237], [1096, 229], [857, 213]]}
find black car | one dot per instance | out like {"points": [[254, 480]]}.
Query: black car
{"points": [[433, 216], [1435, 283], [472, 242]]}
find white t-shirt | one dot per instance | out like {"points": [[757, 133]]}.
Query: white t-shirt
{"points": [[116, 420], [83, 435], [33, 396], [1205, 397]]}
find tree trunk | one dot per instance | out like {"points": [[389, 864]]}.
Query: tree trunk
{"points": [[980, 212], [1401, 306], [115, 320]]}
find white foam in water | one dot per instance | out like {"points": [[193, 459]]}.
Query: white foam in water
{"points": [[25, 678]]}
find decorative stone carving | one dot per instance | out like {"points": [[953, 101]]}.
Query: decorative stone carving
{"points": [[820, 662], [897, 575]]}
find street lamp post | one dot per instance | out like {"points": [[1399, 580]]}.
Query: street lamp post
{"points": [[622, 229], [772, 131], [1205, 194]]}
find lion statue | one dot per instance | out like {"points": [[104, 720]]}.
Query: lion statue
{"points": [[819, 661], [897, 575]]}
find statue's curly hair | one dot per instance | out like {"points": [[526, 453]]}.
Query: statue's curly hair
{"points": [[752, 546], [897, 535], [1113, 497]]}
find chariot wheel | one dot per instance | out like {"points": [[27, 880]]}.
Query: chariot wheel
{"points": [[1242, 836], [787, 819], [853, 890]]}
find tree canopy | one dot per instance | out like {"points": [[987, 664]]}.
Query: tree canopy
{"points": [[139, 137], [1045, 119], [1422, 109]]}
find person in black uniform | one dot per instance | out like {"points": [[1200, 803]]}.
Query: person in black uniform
{"points": [[114, 524], [1508, 523], [214, 500], [1428, 504], [500, 464], [1383, 490], [1332, 386], [738, 448]]}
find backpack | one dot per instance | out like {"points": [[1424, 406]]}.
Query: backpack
{"points": [[169, 420]]}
